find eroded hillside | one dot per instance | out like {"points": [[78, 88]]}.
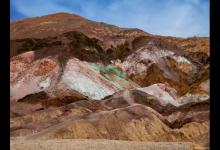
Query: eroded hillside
{"points": [[72, 78]]}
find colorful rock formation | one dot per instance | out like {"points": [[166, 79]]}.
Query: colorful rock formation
{"points": [[72, 78]]}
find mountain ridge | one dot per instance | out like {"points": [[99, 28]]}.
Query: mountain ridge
{"points": [[75, 78]]}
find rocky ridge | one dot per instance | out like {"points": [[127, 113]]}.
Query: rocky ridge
{"points": [[73, 78]]}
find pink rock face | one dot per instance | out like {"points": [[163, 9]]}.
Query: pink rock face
{"points": [[143, 58], [160, 91], [19, 64], [76, 78], [79, 76], [154, 64], [32, 78], [168, 96], [139, 62], [159, 96]]}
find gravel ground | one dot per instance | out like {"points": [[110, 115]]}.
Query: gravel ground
{"points": [[84, 144]]}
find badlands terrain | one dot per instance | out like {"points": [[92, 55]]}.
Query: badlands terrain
{"points": [[80, 84]]}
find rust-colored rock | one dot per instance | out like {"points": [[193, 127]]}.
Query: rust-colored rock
{"points": [[73, 78]]}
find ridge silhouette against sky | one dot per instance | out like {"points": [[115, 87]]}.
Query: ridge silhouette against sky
{"points": [[181, 18]]}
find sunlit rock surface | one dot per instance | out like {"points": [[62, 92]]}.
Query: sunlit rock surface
{"points": [[72, 78]]}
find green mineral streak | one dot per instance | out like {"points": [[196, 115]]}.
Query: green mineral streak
{"points": [[107, 69], [96, 66]]}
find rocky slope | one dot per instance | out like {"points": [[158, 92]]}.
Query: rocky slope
{"points": [[72, 78]]}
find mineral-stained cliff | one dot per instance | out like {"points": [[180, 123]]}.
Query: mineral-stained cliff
{"points": [[79, 79]]}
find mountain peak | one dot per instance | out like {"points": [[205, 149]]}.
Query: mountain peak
{"points": [[56, 24], [63, 14]]}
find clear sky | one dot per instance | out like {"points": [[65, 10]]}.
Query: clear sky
{"points": [[181, 18]]}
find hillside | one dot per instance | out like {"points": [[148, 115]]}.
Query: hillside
{"points": [[73, 78]]}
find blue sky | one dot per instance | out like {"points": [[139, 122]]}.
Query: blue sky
{"points": [[181, 18]]}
